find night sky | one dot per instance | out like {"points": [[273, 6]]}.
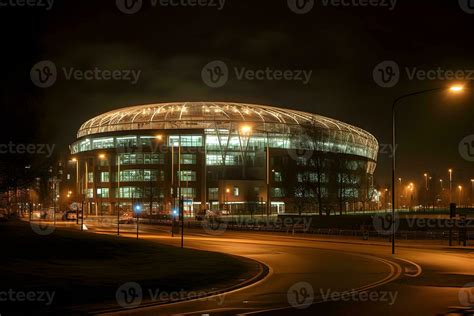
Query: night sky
{"points": [[170, 46]]}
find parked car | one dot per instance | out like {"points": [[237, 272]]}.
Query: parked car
{"points": [[69, 215], [126, 218]]}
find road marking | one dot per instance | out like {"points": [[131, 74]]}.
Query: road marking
{"points": [[395, 272], [418, 267]]}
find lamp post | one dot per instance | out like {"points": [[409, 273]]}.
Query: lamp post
{"points": [[394, 108], [460, 194], [226, 200], [117, 194], [77, 193], [101, 157], [400, 192], [472, 191], [450, 185]]}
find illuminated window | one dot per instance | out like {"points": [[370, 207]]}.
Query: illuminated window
{"points": [[90, 193], [188, 159], [133, 175], [213, 194], [235, 191], [186, 140], [104, 176], [277, 192], [187, 175], [100, 143], [130, 192], [188, 193], [90, 177], [103, 192]]}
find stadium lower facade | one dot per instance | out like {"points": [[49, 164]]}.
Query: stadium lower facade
{"points": [[228, 158]]}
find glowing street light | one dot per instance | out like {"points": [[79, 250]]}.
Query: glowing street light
{"points": [[138, 210], [454, 89], [246, 129]]}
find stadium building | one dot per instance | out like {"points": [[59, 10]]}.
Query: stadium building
{"points": [[225, 157]]}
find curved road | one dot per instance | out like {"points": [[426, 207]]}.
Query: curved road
{"points": [[333, 277]]}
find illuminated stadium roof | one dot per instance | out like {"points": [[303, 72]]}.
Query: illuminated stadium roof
{"points": [[224, 115]]}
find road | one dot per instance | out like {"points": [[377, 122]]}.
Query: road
{"points": [[311, 276]]}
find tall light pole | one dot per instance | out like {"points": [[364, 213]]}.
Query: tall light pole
{"points": [[400, 192], [104, 158], [450, 185], [269, 207], [472, 191], [394, 108], [118, 193], [76, 195], [460, 194]]}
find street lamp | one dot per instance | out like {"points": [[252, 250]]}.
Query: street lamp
{"points": [[226, 200], [77, 175], [472, 191], [450, 185], [400, 193], [101, 157], [454, 89], [460, 194]]}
